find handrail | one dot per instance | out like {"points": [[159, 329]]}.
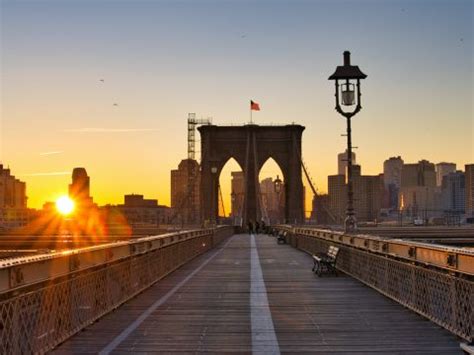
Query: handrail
{"points": [[452, 259], [433, 280], [47, 298], [20, 271]]}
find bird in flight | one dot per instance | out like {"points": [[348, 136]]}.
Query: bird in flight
{"points": [[102, 80], [115, 104]]}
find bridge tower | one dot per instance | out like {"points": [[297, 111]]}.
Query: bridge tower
{"points": [[251, 146]]}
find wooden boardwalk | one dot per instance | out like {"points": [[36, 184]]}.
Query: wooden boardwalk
{"points": [[235, 302]]}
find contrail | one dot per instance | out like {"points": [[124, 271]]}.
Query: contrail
{"points": [[110, 130], [51, 153], [53, 173]]}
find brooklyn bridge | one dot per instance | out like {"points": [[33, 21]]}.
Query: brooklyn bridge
{"points": [[215, 288]]}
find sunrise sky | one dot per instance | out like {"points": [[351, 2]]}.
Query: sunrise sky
{"points": [[160, 60]]}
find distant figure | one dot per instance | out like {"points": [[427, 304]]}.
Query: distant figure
{"points": [[264, 227], [250, 225], [257, 227]]}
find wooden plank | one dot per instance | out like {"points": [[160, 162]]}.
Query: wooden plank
{"points": [[211, 312]]}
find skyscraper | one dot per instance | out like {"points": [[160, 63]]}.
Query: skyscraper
{"points": [[342, 162], [443, 169], [419, 195], [469, 181], [453, 192], [13, 209], [272, 200], [79, 189], [392, 176], [337, 191], [185, 183]]}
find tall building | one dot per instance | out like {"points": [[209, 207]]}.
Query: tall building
{"points": [[320, 213], [337, 191], [419, 174], [342, 162], [273, 200], [185, 183], [453, 192], [13, 208], [419, 196], [392, 176], [368, 195], [469, 192], [79, 189], [443, 169]]}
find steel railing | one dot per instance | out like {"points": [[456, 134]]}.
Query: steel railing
{"points": [[47, 298], [434, 281]]}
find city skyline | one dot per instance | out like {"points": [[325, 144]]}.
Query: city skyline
{"points": [[71, 98]]}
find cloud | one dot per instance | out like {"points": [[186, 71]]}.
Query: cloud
{"points": [[51, 153], [110, 130], [52, 173]]}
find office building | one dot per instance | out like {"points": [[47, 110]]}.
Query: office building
{"points": [[13, 209], [443, 169], [79, 190], [342, 162], [185, 187], [392, 175], [469, 189], [337, 191], [273, 200], [453, 190]]}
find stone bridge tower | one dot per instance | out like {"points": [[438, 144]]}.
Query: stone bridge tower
{"points": [[251, 146]]}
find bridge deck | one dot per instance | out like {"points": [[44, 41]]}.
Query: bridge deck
{"points": [[223, 307]]}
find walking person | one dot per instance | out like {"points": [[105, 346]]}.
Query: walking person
{"points": [[250, 226], [257, 227]]}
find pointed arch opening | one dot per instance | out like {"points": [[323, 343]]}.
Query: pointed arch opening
{"points": [[271, 191], [231, 190]]}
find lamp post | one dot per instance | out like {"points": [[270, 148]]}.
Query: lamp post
{"points": [[277, 187], [347, 80], [233, 199], [215, 196]]}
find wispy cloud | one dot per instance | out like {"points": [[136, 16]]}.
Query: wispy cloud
{"points": [[52, 173], [51, 153], [110, 130]]}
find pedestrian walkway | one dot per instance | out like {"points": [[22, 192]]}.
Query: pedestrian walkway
{"points": [[252, 295]]}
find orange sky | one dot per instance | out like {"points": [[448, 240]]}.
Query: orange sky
{"points": [[159, 61]]}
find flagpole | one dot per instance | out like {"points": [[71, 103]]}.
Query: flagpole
{"points": [[251, 112]]}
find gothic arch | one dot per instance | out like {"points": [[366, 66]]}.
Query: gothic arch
{"points": [[251, 145]]}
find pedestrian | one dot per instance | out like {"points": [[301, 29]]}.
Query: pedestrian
{"points": [[257, 227], [250, 225]]}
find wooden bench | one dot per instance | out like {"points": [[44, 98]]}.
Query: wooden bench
{"points": [[281, 237], [326, 261]]}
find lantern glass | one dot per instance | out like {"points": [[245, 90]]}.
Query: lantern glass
{"points": [[348, 94], [277, 185]]}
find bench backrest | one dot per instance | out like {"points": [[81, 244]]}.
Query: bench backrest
{"points": [[332, 252]]}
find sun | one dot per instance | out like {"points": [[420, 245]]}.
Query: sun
{"points": [[64, 205]]}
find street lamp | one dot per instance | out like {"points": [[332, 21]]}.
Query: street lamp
{"points": [[233, 199], [277, 184], [347, 79], [215, 196]]}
